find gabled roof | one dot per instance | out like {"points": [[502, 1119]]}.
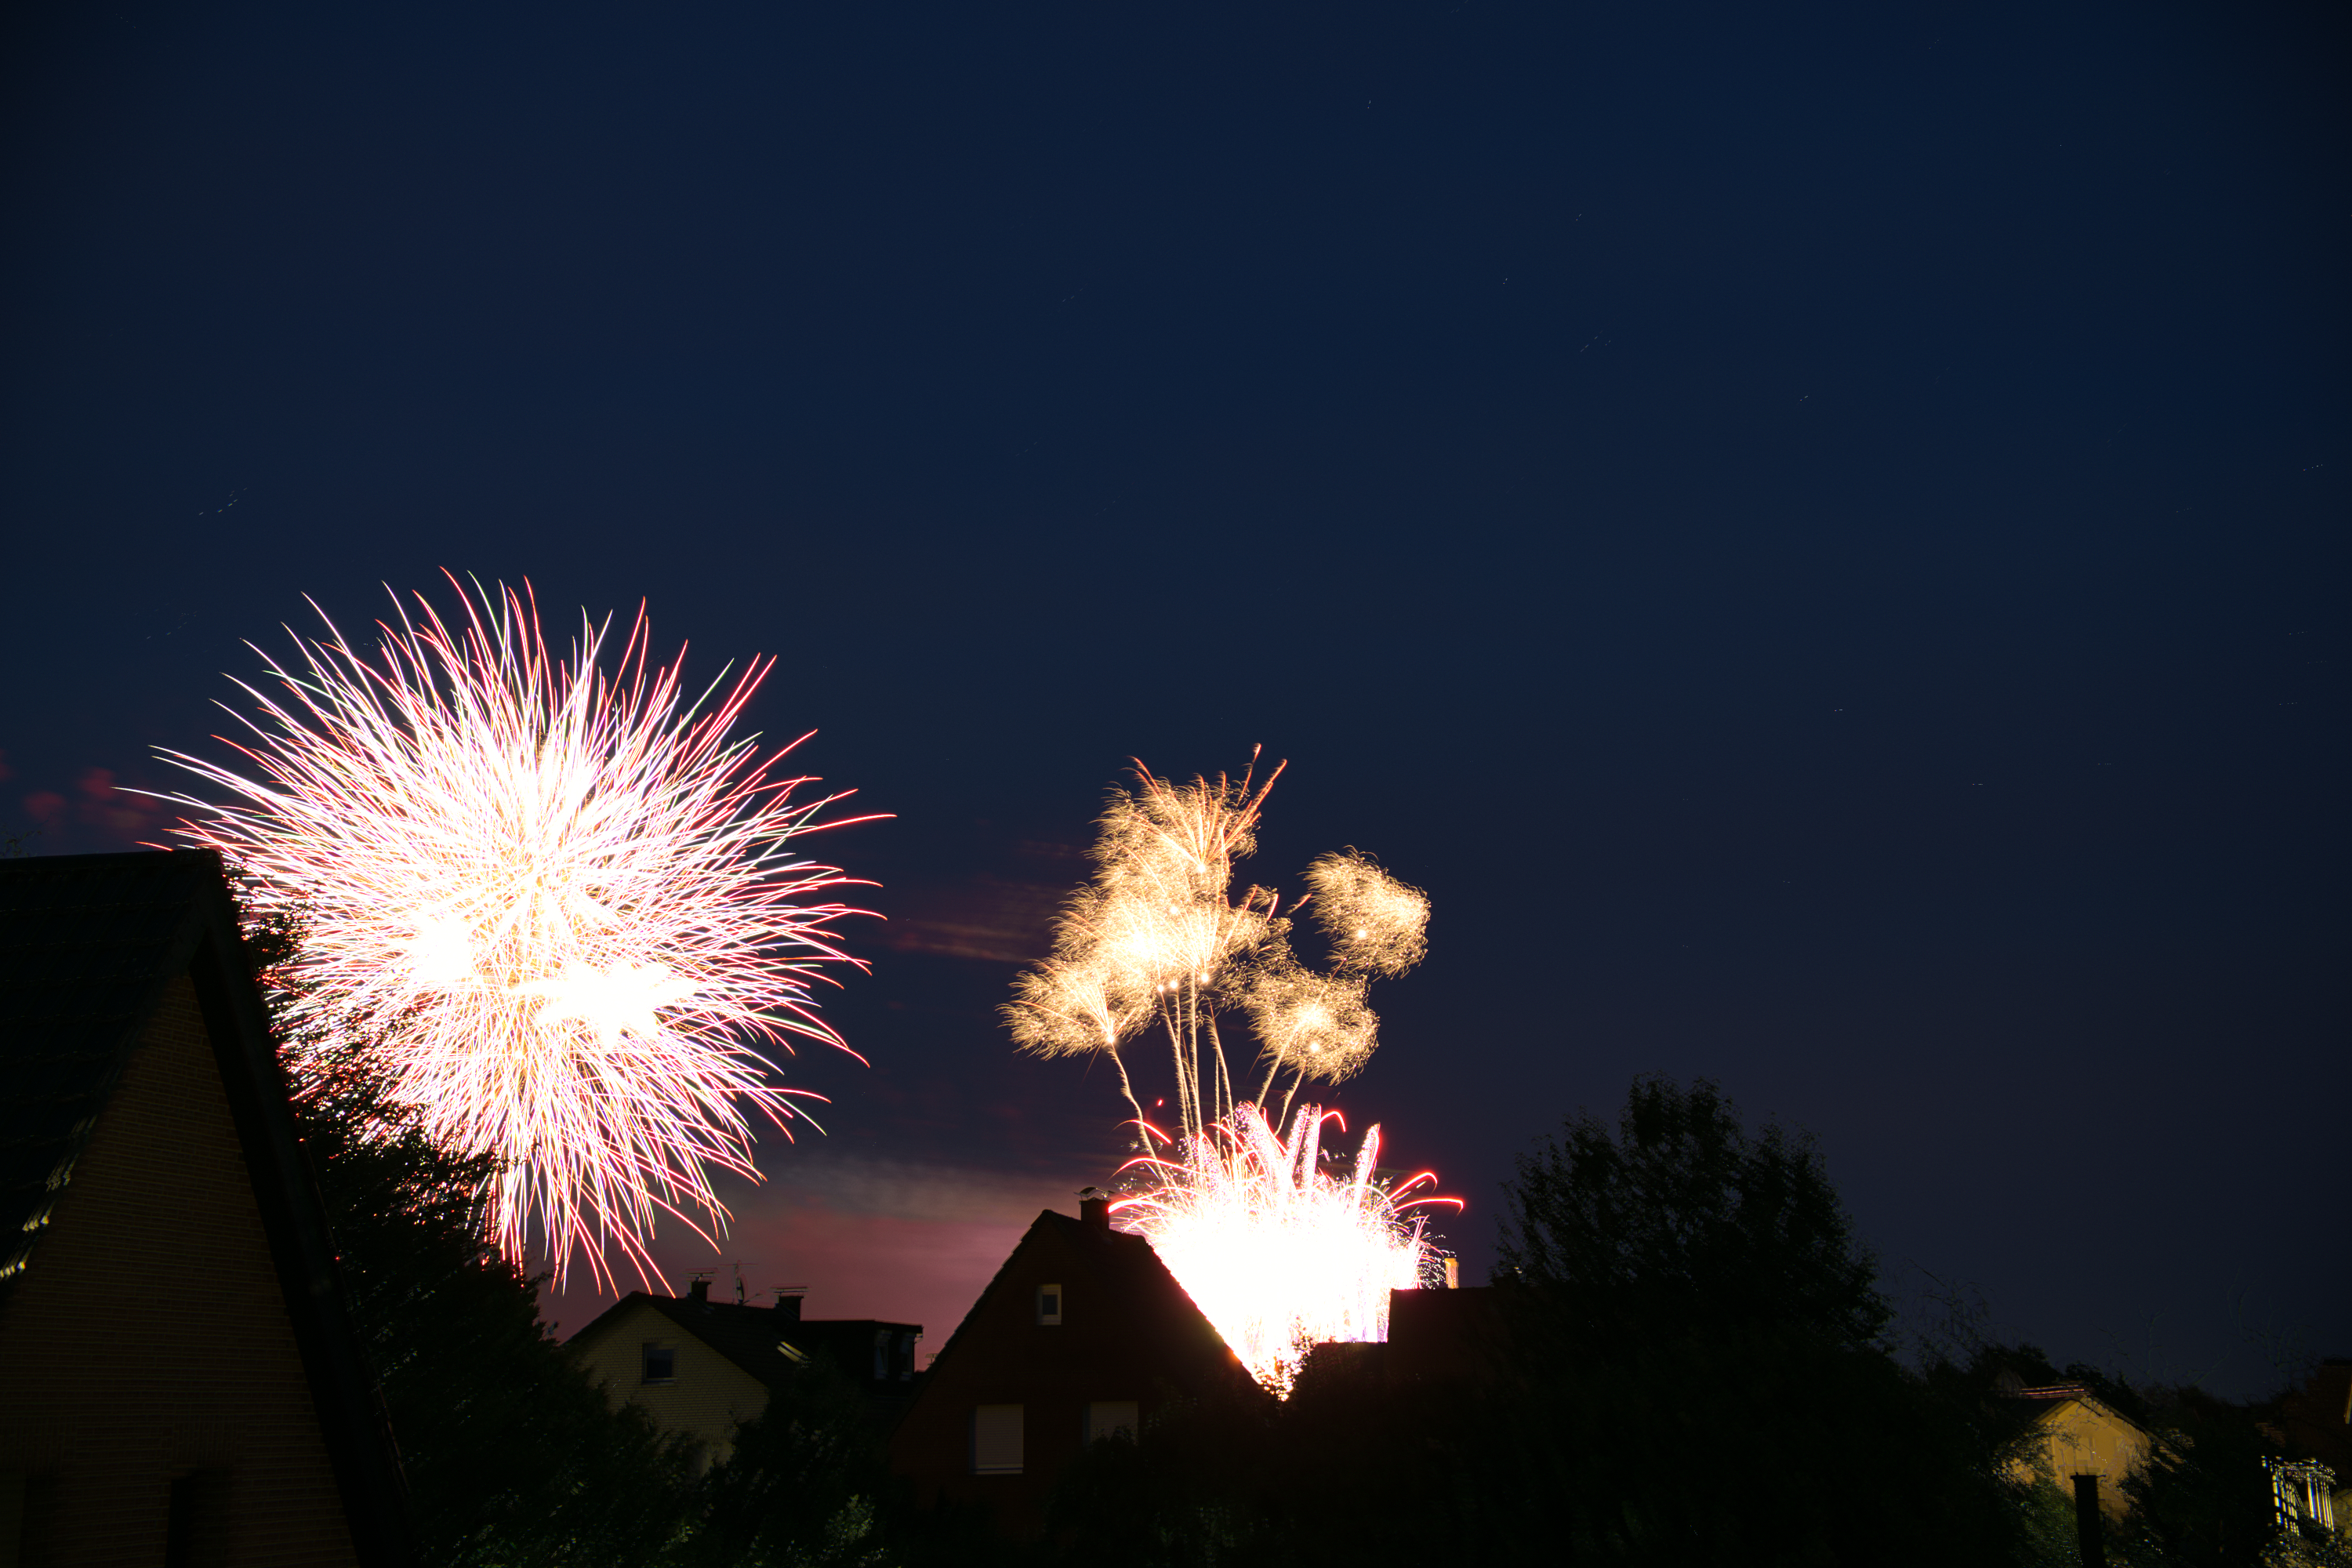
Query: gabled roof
{"points": [[2054, 1406], [752, 1337], [86, 945], [1114, 1257], [89, 945], [1120, 1328]]}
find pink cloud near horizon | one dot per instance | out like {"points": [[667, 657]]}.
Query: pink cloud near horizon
{"points": [[910, 1243], [116, 814]]}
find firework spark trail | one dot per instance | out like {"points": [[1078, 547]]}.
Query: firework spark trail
{"points": [[1376, 923], [557, 905], [1157, 936], [1277, 1253]]}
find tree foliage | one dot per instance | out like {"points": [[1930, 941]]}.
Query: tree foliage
{"points": [[2205, 1499], [512, 1456], [1680, 1216], [1689, 1365], [1700, 1345], [804, 1487]]}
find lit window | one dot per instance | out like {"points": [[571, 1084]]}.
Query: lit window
{"points": [[2303, 1489], [1106, 1416], [996, 1440], [1049, 1304], [659, 1364]]}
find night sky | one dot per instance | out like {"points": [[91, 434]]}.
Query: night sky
{"points": [[1817, 534]]}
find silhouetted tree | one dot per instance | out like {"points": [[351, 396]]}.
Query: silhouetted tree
{"points": [[1689, 1367], [2205, 1499], [803, 1487], [1201, 1485], [1698, 1341], [511, 1454], [1679, 1215]]}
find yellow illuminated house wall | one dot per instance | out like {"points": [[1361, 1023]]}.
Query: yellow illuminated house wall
{"points": [[707, 1397], [2084, 1438]]}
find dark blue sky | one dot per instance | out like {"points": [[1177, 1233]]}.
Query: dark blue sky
{"points": [[1817, 533]]}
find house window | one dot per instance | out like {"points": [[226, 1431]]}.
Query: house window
{"points": [[996, 1439], [1049, 1304], [1105, 1416], [2302, 1489], [659, 1363]]}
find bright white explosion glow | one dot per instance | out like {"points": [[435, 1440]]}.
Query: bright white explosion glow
{"points": [[1279, 1253], [557, 905]]}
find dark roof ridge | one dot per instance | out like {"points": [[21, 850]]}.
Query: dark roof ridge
{"points": [[1125, 1250], [994, 1281], [771, 1368], [730, 1327], [38, 982]]}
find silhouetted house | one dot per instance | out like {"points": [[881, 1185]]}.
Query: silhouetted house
{"points": [[702, 1367], [178, 1380], [1439, 1338], [1082, 1332]]}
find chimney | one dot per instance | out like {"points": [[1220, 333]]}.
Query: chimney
{"points": [[697, 1290], [2088, 1543], [788, 1302], [1094, 1210]]}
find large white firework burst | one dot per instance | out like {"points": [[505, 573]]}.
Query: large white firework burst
{"points": [[558, 904]]}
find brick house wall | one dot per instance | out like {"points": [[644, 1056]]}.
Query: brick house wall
{"points": [[1019, 1390]]}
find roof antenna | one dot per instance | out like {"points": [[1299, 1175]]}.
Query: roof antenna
{"points": [[739, 1284]]}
